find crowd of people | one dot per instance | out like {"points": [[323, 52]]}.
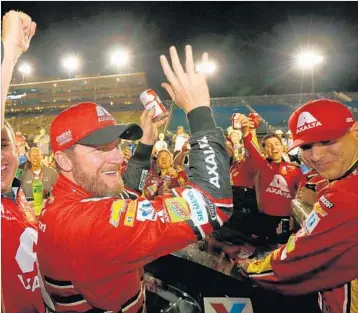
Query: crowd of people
{"points": [[125, 193]]}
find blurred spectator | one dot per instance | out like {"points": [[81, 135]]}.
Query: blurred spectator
{"points": [[181, 158], [179, 139], [160, 145], [167, 177], [43, 142], [37, 179], [21, 146], [279, 134]]}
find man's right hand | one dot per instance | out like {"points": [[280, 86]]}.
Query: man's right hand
{"points": [[246, 124], [188, 90], [18, 30]]}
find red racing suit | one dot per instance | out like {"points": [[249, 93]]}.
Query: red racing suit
{"points": [[92, 250], [278, 182], [242, 172], [20, 281], [322, 256]]}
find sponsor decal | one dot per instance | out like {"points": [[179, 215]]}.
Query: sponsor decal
{"points": [[283, 170], [130, 214], [227, 305], [64, 138], [197, 205], [117, 208], [349, 119], [279, 187], [210, 162], [146, 212], [163, 216], [177, 209], [311, 222], [103, 114], [318, 209], [326, 203], [143, 176], [210, 207], [291, 244], [306, 121]]}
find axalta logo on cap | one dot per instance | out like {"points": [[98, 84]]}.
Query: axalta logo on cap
{"points": [[64, 138], [103, 114], [306, 121], [349, 120]]}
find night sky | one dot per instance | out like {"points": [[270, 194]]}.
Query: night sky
{"points": [[253, 43]]}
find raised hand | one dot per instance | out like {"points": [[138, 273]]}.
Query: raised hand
{"points": [[188, 90], [150, 128], [18, 30]]}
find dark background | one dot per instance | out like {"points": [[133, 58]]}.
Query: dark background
{"points": [[253, 43]]}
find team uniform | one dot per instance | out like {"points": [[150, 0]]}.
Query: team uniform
{"points": [[92, 250], [20, 281], [278, 182], [322, 256]]}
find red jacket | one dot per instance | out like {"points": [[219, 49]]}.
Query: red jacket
{"points": [[278, 182], [92, 250], [242, 173], [20, 281], [322, 256]]}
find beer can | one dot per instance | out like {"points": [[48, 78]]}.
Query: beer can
{"points": [[256, 118], [150, 100], [235, 123]]}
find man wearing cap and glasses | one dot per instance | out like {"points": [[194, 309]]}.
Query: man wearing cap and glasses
{"points": [[322, 256], [93, 241]]}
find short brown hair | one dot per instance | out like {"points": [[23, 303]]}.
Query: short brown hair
{"points": [[268, 137]]}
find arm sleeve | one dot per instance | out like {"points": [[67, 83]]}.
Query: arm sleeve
{"points": [[135, 232], [137, 169], [256, 157], [209, 161], [322, 255]]}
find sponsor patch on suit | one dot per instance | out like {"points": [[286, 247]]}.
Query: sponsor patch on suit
{"points": [[146, 212], [130, 214], [117, 208], [178, 209]]}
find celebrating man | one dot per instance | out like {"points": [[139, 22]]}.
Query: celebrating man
{"points": [[93, 241]]}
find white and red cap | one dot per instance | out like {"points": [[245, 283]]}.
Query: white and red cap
{"points": [[319, 120], [89, 124]]}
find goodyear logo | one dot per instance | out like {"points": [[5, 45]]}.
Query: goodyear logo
{"points": [[130, 214], [177, 209], [116, 210]]}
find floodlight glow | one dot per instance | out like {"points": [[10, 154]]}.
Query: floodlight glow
{"points": [[119, 58], [71, 63], [308, 59], [207, 68], [25, 69]]}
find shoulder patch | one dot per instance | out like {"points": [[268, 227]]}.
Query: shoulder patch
{"points": [[311, 222], [326, 202], [117, 208], [130, 213], [178, 209], [146, 212]]}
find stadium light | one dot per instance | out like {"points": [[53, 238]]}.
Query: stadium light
{"points": [[308, 59], [120, 58], [71, 63], [25, 69], [207, 68]]}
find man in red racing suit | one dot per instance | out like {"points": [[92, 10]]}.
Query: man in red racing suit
{"points": [[322, 255], [92, 248]]}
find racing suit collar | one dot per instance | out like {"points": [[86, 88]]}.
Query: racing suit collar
{"points": [[351, 169], [65, 187]]}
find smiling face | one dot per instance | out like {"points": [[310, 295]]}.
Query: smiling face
{"points": [[332, 159], [97, 169], [164, 160], [273, 148], [9, 160], [35, 157]]}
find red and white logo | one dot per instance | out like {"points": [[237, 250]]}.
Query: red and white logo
{"points": [[306, 121], [279, 186], [103, 114]]}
